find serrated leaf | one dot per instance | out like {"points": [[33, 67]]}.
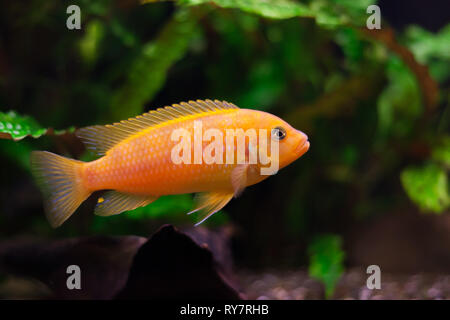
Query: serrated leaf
{"points": [[16, 127], [326, 261], [427, 187], [13, 126]]}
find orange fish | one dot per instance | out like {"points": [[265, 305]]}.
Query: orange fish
{"points": [[158, 153]]}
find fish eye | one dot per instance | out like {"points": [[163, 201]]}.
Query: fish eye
{"points": [[278, 133]]}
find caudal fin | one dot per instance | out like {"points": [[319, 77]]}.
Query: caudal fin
{"points": [[59, 180]]}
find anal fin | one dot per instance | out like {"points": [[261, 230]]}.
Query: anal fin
{"points": [[209, 203], [114, 202]]}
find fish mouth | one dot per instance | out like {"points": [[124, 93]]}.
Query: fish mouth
{"points": [[302, 147]]}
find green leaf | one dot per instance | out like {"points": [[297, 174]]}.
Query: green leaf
{"points": [[13, 126], [89, 44], [425, 45], [441, 153], [148, 71], [266, 85], [164, 206], [16, 127], [127, 37], [19, 153], [326, 12], [400, 103], [275, 9], [172, 206], [170, 209], [431, 49], [326, 261], [351, 43], [340, 12], [427, 187]]}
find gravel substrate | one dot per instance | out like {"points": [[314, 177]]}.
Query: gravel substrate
{"points": [[297, 285]]}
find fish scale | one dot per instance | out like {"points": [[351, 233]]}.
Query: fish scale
{"points": [[153, 171]]}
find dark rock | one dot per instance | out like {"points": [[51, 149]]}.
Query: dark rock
{"points": [[170, 265], [104, 263]]}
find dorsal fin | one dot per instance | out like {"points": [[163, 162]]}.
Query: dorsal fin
{"points": [[102, 138]]}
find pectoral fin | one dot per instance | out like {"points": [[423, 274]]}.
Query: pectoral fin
{"points": [[239, 178], [209, 203], [114, 202]]}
